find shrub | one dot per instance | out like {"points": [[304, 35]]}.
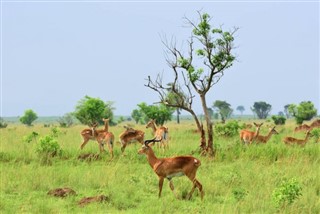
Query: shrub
{"points": [[278, 120], [239, 193], [28, 117], [2, 123], [287, 192], [32, 136], [48, 146], [227, 130], [66, 120], [316, 134]]}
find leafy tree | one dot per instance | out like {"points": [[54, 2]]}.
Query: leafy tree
{"points": [[261, 109], [3, 124], [286, 110], [136, 115], [224, 109], [91, 110], [241, 109], [304, 111], [160, 113], [207, 45], [28, 117], [66, 120]]}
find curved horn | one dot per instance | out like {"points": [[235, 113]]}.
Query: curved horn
{"points": [[146, 142]]}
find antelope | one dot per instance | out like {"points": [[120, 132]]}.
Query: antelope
{"points": [[93, 134], [172, 167], [302, 127], [130, 135], [159, 133], [301, 142], [249, 136], [315, 124], [264, 139]]}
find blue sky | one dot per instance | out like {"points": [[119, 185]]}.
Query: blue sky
{"points": [[53, 53]]}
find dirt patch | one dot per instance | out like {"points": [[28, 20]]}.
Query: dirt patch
{"points": [[87, 200], [62, 192]]}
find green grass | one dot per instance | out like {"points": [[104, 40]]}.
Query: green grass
{"points": [[240, 179]]}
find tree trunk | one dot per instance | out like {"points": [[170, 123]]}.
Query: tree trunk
{"points": [[178, 116], [209, 149]]}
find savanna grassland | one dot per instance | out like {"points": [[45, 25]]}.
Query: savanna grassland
{"points": [[240, 179]]}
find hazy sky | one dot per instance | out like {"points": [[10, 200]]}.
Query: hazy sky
{"points": [[53, 53]]}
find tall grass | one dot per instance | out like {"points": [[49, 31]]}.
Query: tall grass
{"points": [[240, 179]]}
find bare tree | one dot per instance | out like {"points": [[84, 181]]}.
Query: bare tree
{"points": [[207, 46]]}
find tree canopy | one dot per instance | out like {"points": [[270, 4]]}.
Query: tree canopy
{"points": [[261, 109], [304, 111], [28, 117]]}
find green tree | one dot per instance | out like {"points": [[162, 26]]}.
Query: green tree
{"points": [[241, 109], [136, 115], [196, 70], [286, 110], [66, 120], [261, 109], [28, 117], [160, 113], [91, 110], [304, 111], [223, 108]]}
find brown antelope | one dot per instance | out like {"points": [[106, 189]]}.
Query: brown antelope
{"points": [[159, 133], [264, 139], [93, 134], [130, 135], [106, 138], [249, 136], [303, 127], [315, 124], [301, 142], [172, 167]]}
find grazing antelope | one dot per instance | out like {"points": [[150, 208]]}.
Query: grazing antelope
{"points": [[303, 127], [301, 142], [93, 134], [172, 167], [130, 135], [159, 133], [249, 136], [264, 139]]}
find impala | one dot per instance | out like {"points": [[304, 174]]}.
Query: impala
{"points": [[93, 134], [249, 136], [301, 142], [264, 139], [172, 167], [315, 124], [159, 133], [130, 135], [303, 127]]}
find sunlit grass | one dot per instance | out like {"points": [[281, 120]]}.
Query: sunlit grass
{"points": [[240, 179]]}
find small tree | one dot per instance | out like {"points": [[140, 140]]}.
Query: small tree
{"points": [[304, 111], [91, 110], [160, 113], [28, 117], [278, 120], [66, 120], [286, 110], [224, 109], [3, 124], [261, 109], [241, 109]]}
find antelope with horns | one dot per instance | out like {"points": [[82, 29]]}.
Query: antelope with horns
{"points": [[172, 167], [264, 139], [130, 135], [301, 142], [249, 136], [159, 133], [101, 136]]}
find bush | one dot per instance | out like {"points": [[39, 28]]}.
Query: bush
{"points": [[316, 134], [287, 192], [278, 120], [30, 137], [48, 146], [28, 117], [66, 120], [229, 129], [2, 123]]}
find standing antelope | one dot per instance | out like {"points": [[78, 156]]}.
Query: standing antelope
{"points": [[98, 135], [264, 139], [130, 135], [172, 167], [301, 142], [249, 136], [315, 124], [159, 133]]}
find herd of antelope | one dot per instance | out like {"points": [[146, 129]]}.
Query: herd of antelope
{"points": [[179, 165], [248, 137]]}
